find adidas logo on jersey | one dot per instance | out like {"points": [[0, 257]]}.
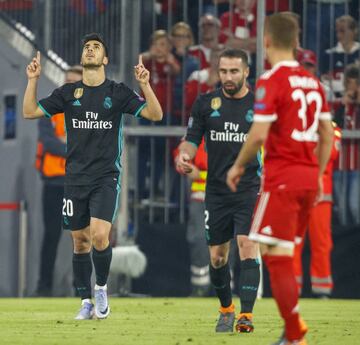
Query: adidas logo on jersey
{"points": [[76, 103], [215, 113]]}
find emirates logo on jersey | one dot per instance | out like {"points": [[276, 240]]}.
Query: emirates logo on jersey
{"points": [[230, 134], [91, 122]]}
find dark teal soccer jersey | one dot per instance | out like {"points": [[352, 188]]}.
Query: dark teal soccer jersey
{"points": [[225, 123], [93, 120]]}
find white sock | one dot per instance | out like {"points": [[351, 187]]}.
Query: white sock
{"points": [[86, 300], [98, 287]]}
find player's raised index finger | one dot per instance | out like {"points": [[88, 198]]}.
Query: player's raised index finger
{"points": [[140, 59], [38, 56]]}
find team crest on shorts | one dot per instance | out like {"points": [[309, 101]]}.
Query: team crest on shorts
{"points": [[78, 92], [216, 103], [107, 103]]}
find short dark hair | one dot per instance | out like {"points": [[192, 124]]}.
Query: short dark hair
{"points": [[236, 54], [94, 36]]}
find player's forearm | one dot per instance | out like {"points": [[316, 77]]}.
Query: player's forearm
{"points": [[189, 148], [326, 133], [29, 104], [256, 138], [248, 151], [154, 110]]}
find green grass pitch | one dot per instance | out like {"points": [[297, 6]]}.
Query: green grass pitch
{"points": [[167, 321]]}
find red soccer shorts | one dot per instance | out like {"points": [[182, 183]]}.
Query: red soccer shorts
{"points": [[281, 217]]}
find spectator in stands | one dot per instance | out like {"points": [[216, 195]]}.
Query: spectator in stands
{"points": [[50, 161], [204, 80], [345, 52], [209, 31], [163, 68], [182, 39], [308, 59], [238, 26], [347, 116], [319, 25]]}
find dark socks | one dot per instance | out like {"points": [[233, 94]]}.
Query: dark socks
{"points": [[82, 268], [249, 283], [220, 279], [102, 260]]}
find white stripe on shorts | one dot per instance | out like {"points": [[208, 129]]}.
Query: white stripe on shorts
{"points": [[259, 214]]}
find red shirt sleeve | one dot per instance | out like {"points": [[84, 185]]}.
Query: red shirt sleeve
{"points": [[265, 101]]}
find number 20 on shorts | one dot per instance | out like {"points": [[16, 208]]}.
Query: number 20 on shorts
{"points": [[68, 208]]}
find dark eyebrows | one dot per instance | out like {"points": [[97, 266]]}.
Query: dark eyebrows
{"points": [[232, 70], [87, 45]]}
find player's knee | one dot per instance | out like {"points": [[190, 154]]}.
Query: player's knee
{"points": [[100, 240], [248, 248], [218, 261], [81, 245]]}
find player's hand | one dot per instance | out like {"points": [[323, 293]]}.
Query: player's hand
{"points": [[233, 177], [320, 191], [183, 163], [33, 69], [142, 75]]}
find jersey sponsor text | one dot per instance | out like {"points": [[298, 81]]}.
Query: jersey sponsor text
{"points": [[91, 122]]}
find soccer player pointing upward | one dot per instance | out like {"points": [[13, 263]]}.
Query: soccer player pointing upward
{"points": [[291, 118], [224, 117], [94, 109]]}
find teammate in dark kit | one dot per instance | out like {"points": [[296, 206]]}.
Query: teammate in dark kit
{"points": [[94, 109], [224, 117]]}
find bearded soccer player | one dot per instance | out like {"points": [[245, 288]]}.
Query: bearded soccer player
{"points": [[93, 110], [291, 118], [224, 117]]}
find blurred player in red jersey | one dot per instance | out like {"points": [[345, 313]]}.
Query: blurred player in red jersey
{"points": [[291, 118], [319, 233]]}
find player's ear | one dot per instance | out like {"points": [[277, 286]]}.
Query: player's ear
{"points": [[105, 60], [247, 71], [267, 40]]}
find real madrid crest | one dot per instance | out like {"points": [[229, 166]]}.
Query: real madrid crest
{"points": [[216, 103], [78, 92]]}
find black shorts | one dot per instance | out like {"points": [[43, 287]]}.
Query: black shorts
{"points": [[80, 203], [228, 215]]}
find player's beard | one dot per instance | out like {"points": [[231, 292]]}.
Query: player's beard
{"points": [[92, 65], [235, 89]]}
